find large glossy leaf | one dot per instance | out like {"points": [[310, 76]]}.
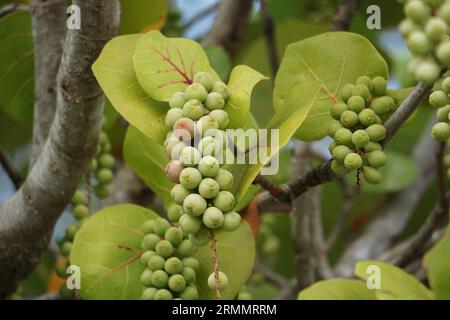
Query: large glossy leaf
{"points": [[115, 73], [329, 60], [166, 65], [437, 263], [107, 249], [395, 283], [337, 289], [148, 160], [16, 67], [236, 253], [142, 15]]}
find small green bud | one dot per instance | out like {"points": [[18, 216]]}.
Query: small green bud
{"points": [[372, 175], [206, 123], [221, 88], [189, 274], [174, 213], [444, 12], [376, 159], [379, 86], [372, 146], [146, 278], [224, 201], [94, 164], [80, 211], [78, 198], [408, 26], [418, 43], [343, 136], [106, 161], [214, 100], [353, 161], [338, 167], [200, 238], [177, 100], [146, 256], [190, 293], [435, 29], [438, 99], [221, 117], [147, 227], [346, 92], [368, 117], [208, 188], [185, 248], [160, 226], [213, 218], [174, 235], [231, 221], [443, 52], [159, 279], [333, 128], [105, 176], [427, 72], [149, 294], [366, 81], [66, 248], [195, 91], [225, 180], [360, 138], [163, 294], [208, 166], [349, 119], [382, 105], [71, 231], [177, 283], [340, 152], [190, 224], [376, 132], [442, 114], [417, 11], [189, 156], [102, 191], [173, 265], [164, 248], [205, 79], [194, 204], [179, 193], [356, 104], [440, 131], [446, 85], [222, 279], [337, 110], [191, 262], [193, 109], [172, 116], [209, 146], [362, 91], [190, 178], [149, 242]]}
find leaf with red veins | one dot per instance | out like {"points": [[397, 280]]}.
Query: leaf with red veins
{"points": [[164, 65]]}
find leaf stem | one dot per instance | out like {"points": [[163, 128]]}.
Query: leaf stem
{"points": [[216, 263]]}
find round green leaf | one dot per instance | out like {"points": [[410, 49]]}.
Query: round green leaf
{"points": [[337, 289], [437, 263], [107, 249]]}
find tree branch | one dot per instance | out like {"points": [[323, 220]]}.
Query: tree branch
{"points": [[28, 218], [229, 25], [10, 169], [269, 33], [202, 14], [272, 277], [48, 20], [344, 14], [12, 7]]}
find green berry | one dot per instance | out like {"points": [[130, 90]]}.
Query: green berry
{"points": [[179, 193], [206, 124], [195, 91], [164, 248], [169, 145], [66, 248], [160, 226], [362, 91], [376, 132], [189, 156], [346, 92], [343, 136], [173, 170], [443, 52], [224, 201], [444, 12], [447, 160], [225, 180], [333, 128], [194, 205], [78, 198], [372, 146], [190, 293], [221, 117], [382, 105], [360, 138], [102, 191], [418, 43], [174, 213], [80, 211], [208, 188], [149, 294], [222, 279], [61, 268], [368, 117], [440, 131], [191, 262], [94, 165], [353, 161], [105, 176], [408, 26], [146, 278], [155, 262], [173, 265], [244, 296], [221, 88], [214, 101], [338, 167], [446, 85], [436, 28], [379, 86], [177, 100], [340, 152], [337, 110], [427, 72], [349, 119], [417, 11], [442, 114], [106, 161], [213, 218], [209, 146], [208, 166], [366, 81], [163, 294], [71, 232], [177, 283], [193, 109], [372, 175], [190, 178], [150, 240], [172, 116], [205, 79], [189, 275], [331, 147], [185, 248], [190, 224], [146, 256], [231, 221], [184, 128], [200, 238], [356, 104], [159, 279], [376, 159], [438, 99], [147, 227], [174, 235]]}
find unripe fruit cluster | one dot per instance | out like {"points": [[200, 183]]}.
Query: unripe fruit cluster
{"points": [[202, 194], [426, 32], [440, 99], [358, 128], [102, 166], [170, 269]]}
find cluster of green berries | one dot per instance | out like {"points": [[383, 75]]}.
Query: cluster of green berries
{"points": [[202, 193], [170, 269], [244, 294], [440, 99], [102, 166], [358, 128], [426, 32]]}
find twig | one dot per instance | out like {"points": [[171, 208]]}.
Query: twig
{"points": [[10, 169], [49, 296], [269, 34], [344, 14], [12, 7], [272, 277], [201, 14], [216, 263]]}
